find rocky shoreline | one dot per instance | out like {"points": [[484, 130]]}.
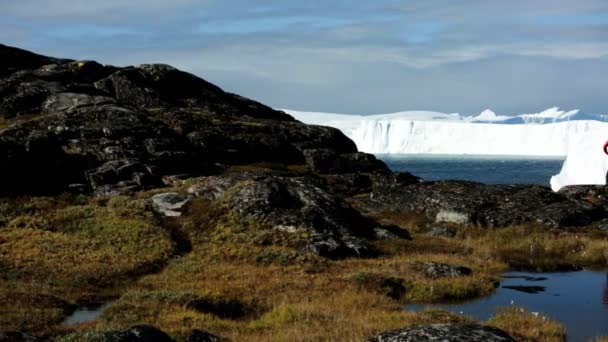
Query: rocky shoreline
{"points": [[153, 131]]}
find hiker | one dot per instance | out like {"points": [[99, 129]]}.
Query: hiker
{"points": [[606, 151]]}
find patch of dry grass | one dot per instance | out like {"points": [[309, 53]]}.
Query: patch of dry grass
{"points": [[72, 252], [528, 326]]}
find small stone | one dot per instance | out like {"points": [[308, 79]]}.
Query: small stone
{"points": [[170, 203], [442, 231], [439, 270], [202, 336]]}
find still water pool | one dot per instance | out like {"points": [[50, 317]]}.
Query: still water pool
{"points": [[579, 300]]}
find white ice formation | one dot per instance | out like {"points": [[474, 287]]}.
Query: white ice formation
{"points": [[553, 132]]}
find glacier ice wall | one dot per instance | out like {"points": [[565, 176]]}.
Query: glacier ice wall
{"points": [[577, 136], [439, 133]]}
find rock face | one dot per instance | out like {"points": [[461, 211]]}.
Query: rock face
{"points": [[485, 205], [298, 204], [444, 332], [82, 125]]}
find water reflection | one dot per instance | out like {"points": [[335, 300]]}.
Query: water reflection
{"points": [[579, 300], [605, 295]]}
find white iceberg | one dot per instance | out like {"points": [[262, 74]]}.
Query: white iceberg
{"points": [[553, 132], [586, 162]]}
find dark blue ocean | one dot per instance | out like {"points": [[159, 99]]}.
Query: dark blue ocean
{"points": [[484, 169]]}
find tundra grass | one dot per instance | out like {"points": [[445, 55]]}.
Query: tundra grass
{"points": [[88, 247], [70, 254]]}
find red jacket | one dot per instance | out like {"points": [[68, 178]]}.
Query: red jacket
{"points": [[606, 147]]}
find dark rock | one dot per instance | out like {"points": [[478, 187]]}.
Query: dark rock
{"points": [[14, 59], [296, 204], [160, 85], [138, 333], [16, 336], [64, 101], [444, 332], [348, 184], [390, 232], [330, 161], [202, 336], [483, 205], [439, 270], [442, 231], [593, 194], [164, 120], [170, 203]]}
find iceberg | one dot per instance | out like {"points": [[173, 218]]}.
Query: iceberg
{"points": [[548, 133], [586, 162], [554, 133]]}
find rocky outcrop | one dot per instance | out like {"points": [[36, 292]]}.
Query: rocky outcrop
{"points": [[328, 161], [14, 59], [592, 194], [444, 332], [472, 203], [298, 204], [82, 126]]}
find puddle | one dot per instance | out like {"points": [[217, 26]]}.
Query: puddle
{"points": [[86, 314], [579, 300]]}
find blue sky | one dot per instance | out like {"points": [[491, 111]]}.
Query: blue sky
{"points": [[361, 56]]}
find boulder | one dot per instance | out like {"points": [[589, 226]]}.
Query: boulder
{"points": [[439, 270], [442, 231], [444, 332], [170, 203], [298, 204], [202, 336]]}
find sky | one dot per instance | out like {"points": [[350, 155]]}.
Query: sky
{"points": [[358, 56]]}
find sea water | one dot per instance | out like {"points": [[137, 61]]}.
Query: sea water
{"points": [[484, 169]]}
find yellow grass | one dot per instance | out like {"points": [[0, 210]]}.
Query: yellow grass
{"points": [[99, 246]]}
